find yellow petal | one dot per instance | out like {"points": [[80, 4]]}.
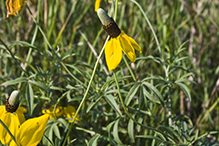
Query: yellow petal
{"points": [[14, 6], [50, 112], [20, 114], [69, 112], [31, 131], [97, 5], [2, 109], [134, 44], [113, 53], [12, 122], [126, 46]]}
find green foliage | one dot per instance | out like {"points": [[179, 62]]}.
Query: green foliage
{"points": [[172, 98]]}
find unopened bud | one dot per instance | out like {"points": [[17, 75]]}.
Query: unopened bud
{"points": [[108, 23], [12, 102]]}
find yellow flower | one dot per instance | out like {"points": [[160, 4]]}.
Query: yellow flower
{"points": [[14, 6], [97, 5], [11, 121], [50, 112], [12, 116], [31, 131], [67, 112], [119, 42]]}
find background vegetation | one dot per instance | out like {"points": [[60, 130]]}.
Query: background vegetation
{"points": [[174, 98]]}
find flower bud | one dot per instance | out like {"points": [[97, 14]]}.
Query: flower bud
{"points": [[108, 23], [12, 102]]}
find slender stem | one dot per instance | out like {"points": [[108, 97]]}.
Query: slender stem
{"points": [[86, 92], [116, 10], [130, 70]]}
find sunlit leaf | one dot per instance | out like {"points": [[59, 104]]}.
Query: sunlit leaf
{"points": [[131, 130], [131, 93], [185, 89], [15, 81], [116, 133], [93, 141], [110, 99]]}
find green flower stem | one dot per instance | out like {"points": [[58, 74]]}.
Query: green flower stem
{"points": [[124, 107], [161, 55], [120, 96], [86, 92], [130, 70], [116, 10]]}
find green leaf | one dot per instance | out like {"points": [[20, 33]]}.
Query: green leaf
{"points": [[142, 98], [131, 130], [22, 44], [110, 99], [30, 98], [150, 96], [93, 102], [185, 89], [187, 75], [116, 133], [185, 80], [57, 88], [109, 132], [93, 141], [39, 85], [55, 128], [140, 120], [180, 59], [71, 141], [131, 93], [15, 81], [155, 91]]}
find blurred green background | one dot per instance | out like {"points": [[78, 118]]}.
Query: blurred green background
{"points": [[175, 22]]}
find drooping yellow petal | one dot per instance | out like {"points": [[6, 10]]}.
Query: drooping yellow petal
{"points": [[14, 6], [126, 46], [20, 114], [31, 131], [97, 5], [134, 44], [69, 112], [12, 123], [113, 53]]}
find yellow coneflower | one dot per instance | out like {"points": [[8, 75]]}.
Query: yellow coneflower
{"points": [[119, 42]]}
